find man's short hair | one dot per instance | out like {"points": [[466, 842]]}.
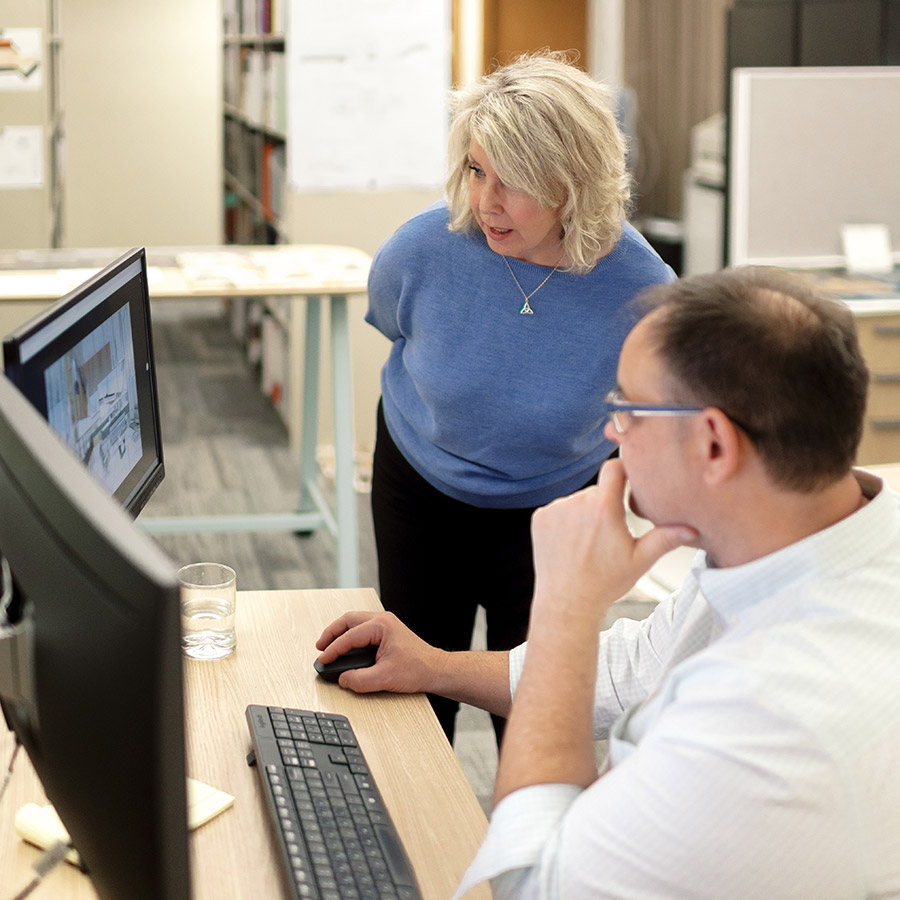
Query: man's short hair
{"points": [[782, 361]]}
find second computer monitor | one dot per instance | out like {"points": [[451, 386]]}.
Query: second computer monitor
{"points": [[86, 364]]}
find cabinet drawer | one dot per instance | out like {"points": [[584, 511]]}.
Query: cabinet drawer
{"points": [[880, 442], [884, 396], [880, 341]]}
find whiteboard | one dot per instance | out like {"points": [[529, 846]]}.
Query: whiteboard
{"points": [[367, 94], [812, 150]]}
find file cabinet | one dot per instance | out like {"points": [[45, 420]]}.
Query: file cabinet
{"points": [[880, 340]]}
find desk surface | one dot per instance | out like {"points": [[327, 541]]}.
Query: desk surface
{"points": [[284, 269], [433, 807]]}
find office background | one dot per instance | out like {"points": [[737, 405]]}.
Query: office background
{"points": [[131, 108], [133, 117], [135, 96], [134, 108]]}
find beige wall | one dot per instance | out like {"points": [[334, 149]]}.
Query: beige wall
{"points": [[363, 221], [25, 220], [141, 92]]}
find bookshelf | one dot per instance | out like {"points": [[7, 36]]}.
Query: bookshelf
{"points": [[254, 103], [254, 140], [269, 56]]}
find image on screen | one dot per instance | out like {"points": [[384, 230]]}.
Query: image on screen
{"points": [[92, 401]]}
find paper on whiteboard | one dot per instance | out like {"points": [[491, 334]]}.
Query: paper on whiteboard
{"points": [[368, 82], [21, 156]]}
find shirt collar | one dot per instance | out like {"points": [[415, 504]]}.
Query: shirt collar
{"points": [[732, 592]]}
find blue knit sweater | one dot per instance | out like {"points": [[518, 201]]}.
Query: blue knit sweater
{"points": [[491, 407]]}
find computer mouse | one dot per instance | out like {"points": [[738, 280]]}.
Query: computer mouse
{"points": [[357, 658]]}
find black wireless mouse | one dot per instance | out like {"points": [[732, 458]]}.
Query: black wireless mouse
{"points": [[357, 658]]}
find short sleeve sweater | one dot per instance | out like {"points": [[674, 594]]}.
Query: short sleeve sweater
{"points": [[491, 407]]}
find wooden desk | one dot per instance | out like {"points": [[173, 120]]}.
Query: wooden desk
{"points": [[306, 277], [233, 855]]}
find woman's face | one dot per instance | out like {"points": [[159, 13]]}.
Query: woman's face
{"points": [[512, 221]]}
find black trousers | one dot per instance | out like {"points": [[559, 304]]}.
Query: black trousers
{"points": [[440, 559]]}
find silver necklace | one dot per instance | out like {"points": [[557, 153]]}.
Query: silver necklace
{"points": [[526, 309]]}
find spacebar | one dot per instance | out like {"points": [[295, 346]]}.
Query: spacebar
{"points": [[394, 855]]}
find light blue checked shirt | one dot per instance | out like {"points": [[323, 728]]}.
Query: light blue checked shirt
{"points": [[754, 726]]}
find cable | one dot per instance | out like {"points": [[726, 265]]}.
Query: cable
{"points": [[9, 769], [51, 857], [46, 863]]}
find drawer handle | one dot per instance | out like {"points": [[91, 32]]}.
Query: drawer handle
{"points": [[887, 330], [886, 377], [885, 424]]}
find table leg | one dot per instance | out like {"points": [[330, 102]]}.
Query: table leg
{"points": [[342, 386], [309, 422]]}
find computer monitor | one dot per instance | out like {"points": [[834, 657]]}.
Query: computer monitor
{"points": [[86, 363], [90, 662]]}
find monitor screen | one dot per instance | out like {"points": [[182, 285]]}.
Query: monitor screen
{"points": [[90, 662], [86, 363]]}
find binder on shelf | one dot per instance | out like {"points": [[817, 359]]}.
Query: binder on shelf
{"points": [[248, 17], [253, 85], [276, 92], [266, 194], [274, 176], [231, 17], [278, 180], [231, 75]]}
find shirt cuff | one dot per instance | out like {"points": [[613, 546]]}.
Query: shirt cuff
{"points": [[521, 826], [516, 665]]}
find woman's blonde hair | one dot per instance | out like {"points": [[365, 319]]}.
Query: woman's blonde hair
{"points": [[550, 131]]}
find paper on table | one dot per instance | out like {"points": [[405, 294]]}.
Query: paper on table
{"points": [[41, 826], [205, 802]]}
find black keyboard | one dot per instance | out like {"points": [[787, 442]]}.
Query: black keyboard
{"points": [[336, 838]]}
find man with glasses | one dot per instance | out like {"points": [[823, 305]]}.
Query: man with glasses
{"points": [[754, 718]]}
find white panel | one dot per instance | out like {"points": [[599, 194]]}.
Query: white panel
{"points": [[368, 81], [812, 149]]}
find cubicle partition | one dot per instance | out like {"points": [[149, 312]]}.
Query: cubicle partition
{"points": [[812, 150]]}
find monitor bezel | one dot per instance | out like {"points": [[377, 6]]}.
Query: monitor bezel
{"points": [[60, 326], [100, 710]]}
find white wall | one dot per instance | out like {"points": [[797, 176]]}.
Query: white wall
{"points": [[141, 92]]}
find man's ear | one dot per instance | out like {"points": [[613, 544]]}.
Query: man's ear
{"points": [[721, 445]]}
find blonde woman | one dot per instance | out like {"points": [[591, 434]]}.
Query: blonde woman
{"points": [[507, 305]]}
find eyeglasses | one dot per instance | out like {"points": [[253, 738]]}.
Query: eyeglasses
{"points": [[621, 410]]}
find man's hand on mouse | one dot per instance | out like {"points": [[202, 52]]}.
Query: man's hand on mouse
{"points": [[404, 664], [585, 558]]}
